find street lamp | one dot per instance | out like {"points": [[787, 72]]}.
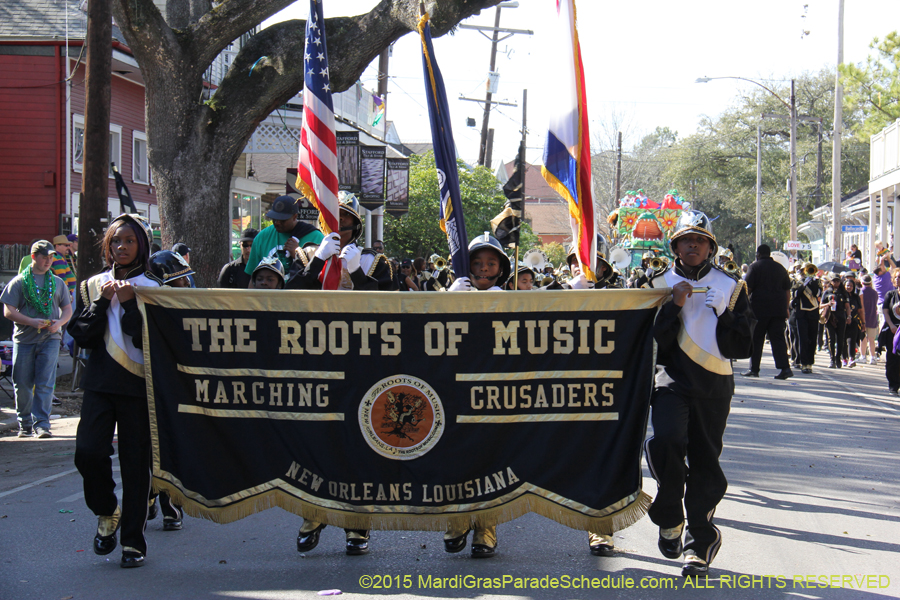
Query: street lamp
{"points": [[792, 108]]}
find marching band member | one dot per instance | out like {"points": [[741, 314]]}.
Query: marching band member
{"points": [[697, 333], [489, 267], [607, 278], [360, 270], [172, 270], [523, 280], [600, 544], [115, 395], [268, 275], [805, 305]]}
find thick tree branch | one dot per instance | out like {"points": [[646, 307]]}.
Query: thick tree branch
{"points": [[213, 31], [244, 99]]}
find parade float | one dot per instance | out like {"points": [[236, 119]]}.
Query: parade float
{"points": [[640, 225]]}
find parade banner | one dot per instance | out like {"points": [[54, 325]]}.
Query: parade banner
{"points": [[371, 195], [397, 202], [348, 160], [379, 410]]}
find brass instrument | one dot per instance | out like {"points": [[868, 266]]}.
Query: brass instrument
{"points": [[810, 270], [658, 263], [731, 267], [439, 262], [563, 275]]}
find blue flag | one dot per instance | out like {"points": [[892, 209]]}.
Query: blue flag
{"points": [[452, 221]]}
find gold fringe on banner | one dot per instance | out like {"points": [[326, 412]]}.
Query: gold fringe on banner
{"points": [[619, 516]]}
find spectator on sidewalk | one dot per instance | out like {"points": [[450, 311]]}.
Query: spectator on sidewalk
{"points": [[891, 310], [870, 309], [234, 275], [282, 238], [770, 294], [39, 304], [68, 251], [62, 265]]}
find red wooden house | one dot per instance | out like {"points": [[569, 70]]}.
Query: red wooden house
{"points": [[42, 89]]}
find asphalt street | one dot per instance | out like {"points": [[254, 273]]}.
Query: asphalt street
{"points": [[812, 511]]}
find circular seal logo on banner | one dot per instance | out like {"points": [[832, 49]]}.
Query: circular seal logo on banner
{"points": [[401, 417]]}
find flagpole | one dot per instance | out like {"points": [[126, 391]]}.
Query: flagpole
{"points": [[522, 179]]}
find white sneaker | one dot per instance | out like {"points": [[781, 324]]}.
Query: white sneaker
{"points": [[873, 360]]}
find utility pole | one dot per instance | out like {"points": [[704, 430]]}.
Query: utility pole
{"points": [[483, 148], [793, 165], [95, 170], [618, 169], [758, 186], [818, 193], [836, 154], [484, 154], [383, 63]]}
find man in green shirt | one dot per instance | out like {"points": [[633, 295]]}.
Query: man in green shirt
{"points": [[282, 238], [38, 302]]}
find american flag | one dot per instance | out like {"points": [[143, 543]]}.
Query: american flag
{"points": [[317, 168], [567, 152]]}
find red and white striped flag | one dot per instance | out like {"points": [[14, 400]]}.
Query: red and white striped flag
{"points": [[317, 168]]}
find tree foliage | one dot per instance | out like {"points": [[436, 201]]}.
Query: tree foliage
{"points": [[555, 252], [418, 233], [873, 87], [715, 167]]}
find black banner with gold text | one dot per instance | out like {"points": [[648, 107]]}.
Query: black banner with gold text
{"points": [[401, 411]]}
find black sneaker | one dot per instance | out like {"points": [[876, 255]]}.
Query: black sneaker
{"points": [[750, 373], [25, 432], [40, 432]]}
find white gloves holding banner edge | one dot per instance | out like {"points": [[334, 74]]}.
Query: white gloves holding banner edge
{"points": [[461, 284], [350, 257], [330, 246], [580, 282], [715, 299]]}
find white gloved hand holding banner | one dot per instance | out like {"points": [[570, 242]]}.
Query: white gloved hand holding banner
{"points": [[715, 299]]}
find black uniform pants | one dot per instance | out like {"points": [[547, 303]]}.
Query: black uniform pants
{"points": [[837, 339], [891, 363], [774, 328], [794, 337], [807, 329], [100, 414], [688, 428], [851, 334]]}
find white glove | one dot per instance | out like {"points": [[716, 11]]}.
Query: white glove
{"points": [[330, 246], [350, 257], [715, 299], [580, 282], [461, 285]]}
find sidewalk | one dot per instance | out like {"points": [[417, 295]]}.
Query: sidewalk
{"points": [[7, 397]]}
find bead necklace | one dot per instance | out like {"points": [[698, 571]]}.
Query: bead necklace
{"points": [[40, 299]]}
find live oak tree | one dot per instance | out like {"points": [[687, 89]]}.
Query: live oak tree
{"points": [[874, 87], [195, 143], [715, 167]]}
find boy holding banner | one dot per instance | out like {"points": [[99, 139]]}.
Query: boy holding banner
{"points": [[489, 267], [706, 324]]}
